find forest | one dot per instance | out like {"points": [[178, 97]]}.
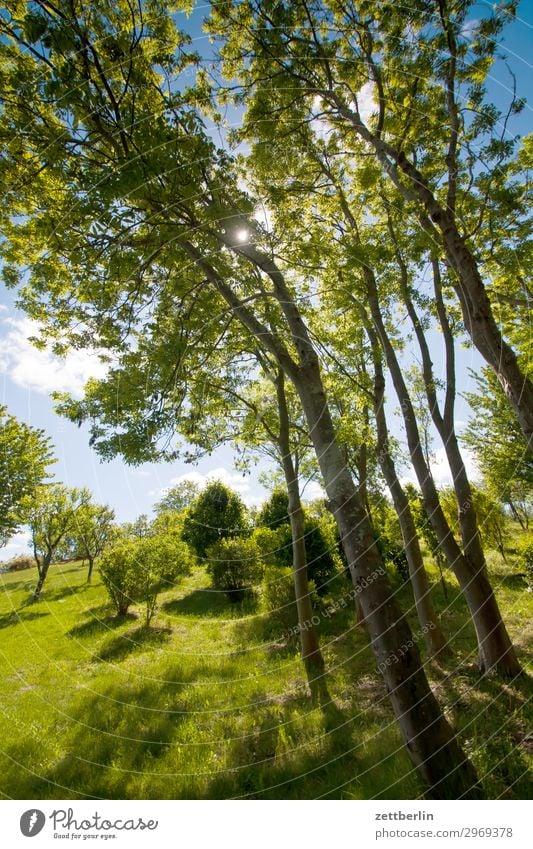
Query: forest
{"points": [[301, 231]]}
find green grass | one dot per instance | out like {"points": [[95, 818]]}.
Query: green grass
{"points": [[211, 702]]}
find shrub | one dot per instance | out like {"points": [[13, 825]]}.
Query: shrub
{"points": [[278, 596], [275, 546], [279, 599], [168, 556], [275, 511], [218, 513], [117, 565], [235, 566], [524, 549], [323, 561], [20, 562], [134, 569]]}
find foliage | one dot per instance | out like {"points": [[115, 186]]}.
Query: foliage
{"points": [[323, 562], [134, 569], [278, 596], [217, 514], [19, 563], [141, 527], [275, 546], [118, 568], [525, 555], [388, 536], [422, 523], [25, 454], [499, 447], [490, 516], [51, 516], [178, 497], [235, 566], [274, 511]]}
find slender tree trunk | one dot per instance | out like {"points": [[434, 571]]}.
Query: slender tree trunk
{"points": [[91, 566], [433, 636], [495, 649], [429, 738], [473, 298], [310, 647], [516, 514], [430, 741], [43, 572], [444, 422]]}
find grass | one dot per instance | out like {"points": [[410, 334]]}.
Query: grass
{"points": [[212, 702]]}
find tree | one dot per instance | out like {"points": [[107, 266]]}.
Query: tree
{"points": [[218, 513], [275, 510], [421, 138], [119, 157], [25, 454], [235, 566], [94, 529], [178, 497], [134, 569], [51, 516], [499, 447]]}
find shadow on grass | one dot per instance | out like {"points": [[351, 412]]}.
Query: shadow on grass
{"points": [[62, 591], [211, 603], [170, 739], [18, 617], [491, 715], [140, 639], [105, 622]]}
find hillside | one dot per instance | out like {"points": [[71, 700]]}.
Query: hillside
{"points": [[211, 702]]}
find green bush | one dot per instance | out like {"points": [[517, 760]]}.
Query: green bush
{"points": [[524, 549], [218, 513], [235, 566], [275, 511], [118, 567], [275, 546], [279, 599], [135, 569], [323, 562], [20, 562], [278, 596]]}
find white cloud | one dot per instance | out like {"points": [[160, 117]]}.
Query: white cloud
{"points": [[231, 479], [42, 371]]}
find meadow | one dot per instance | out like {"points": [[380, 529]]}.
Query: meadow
{"points": [[212, 700]]}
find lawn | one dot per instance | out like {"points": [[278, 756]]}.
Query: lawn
{"points": [[212, 701]]}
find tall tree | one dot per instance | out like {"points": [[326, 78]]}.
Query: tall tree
{"points": [[25, 454], [51, 517], [119, 157], [500, 450], [412, 61]]}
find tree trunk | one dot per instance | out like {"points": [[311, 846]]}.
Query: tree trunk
{"points": [[495, 649], [43, 572], [91, 565], [475, 303], [430, 740], [433, 636], [310, 647]]}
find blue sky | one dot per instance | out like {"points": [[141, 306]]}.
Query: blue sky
{"points": [[28, 376]]}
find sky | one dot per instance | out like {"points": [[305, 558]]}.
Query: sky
{"points": [[28, 376]]}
